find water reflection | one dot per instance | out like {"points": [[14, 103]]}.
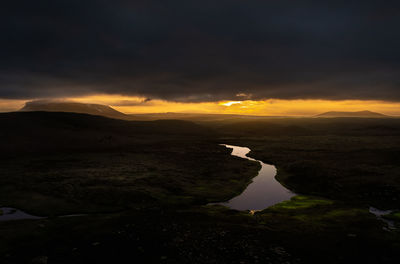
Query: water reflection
{"points": [[8, 214], [380, 215], [264, 191]]}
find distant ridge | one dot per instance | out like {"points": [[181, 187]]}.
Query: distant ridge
{"points": [[56, 131], [196, 116], [365, 114], [72, 107], [107, 111]]}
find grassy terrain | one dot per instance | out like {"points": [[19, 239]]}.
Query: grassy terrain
{"points": [[395, 216], [353, 163], [64, 170], [343, 231], [321, 231], [345, 158], [364, 170], [86, 182], [144, 186]]}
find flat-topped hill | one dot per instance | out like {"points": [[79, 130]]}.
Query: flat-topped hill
{"points": [[73, 107], [365, 114]]}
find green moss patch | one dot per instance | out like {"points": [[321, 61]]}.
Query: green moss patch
{"points": [[395, 216], [314, 214], [345, 212], [145, 176], [301, 202]]}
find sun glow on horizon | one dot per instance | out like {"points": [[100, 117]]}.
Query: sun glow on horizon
{"points": [[269, 107], [230, 103]]}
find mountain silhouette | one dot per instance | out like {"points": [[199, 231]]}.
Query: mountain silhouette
{"points": [[365, 114], [72, 107]]}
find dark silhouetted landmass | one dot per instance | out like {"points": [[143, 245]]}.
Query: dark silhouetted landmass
{"points": [[349, 126], [107, 111], [196, 117], [364, 114], [91, 109], [143, 187], [33, 131]]}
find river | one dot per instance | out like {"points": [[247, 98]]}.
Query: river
{"points": [[264, 191]]}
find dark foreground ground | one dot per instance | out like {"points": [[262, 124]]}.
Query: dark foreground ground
{"points": [[142, 188]]}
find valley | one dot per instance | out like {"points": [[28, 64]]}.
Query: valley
{"points": [[141, 189]]}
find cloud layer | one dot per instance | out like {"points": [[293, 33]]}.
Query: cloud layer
{"points": [[201, 50]]}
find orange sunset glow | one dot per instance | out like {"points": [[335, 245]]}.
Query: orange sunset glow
{"points": [[200, 132], [270, 107]]}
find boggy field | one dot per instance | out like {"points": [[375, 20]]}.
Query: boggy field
{"points": [[139, 190], [350, 159]]}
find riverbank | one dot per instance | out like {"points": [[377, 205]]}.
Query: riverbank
{"points": [[331, 232], [263, 191], [145, 195], [363, 170]]}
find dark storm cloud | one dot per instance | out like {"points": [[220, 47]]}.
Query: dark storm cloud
{"points": [[201, 50]]}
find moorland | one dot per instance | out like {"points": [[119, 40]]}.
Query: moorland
{"points": [[140, 190]]}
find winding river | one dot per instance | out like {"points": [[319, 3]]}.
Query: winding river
{"points": [[264, 191]]}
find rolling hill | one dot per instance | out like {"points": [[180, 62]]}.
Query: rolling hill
{"points": [[72, 107], [44, 131], [107, 111], [363, 114], [197, 117]]}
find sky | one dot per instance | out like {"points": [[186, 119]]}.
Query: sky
{"points": [[272, 57]]}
